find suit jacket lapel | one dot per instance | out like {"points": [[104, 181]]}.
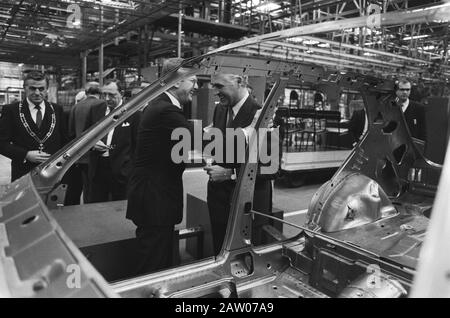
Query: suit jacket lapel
{"points": [[245, 115], [221, 118]]}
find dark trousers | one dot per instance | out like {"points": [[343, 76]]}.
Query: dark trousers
{"points": [[77, 183], [155, 248], [104, 186], [219, 205]]}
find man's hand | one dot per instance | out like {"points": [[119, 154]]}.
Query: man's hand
{"points": [[207, 129], [100, 146], [37, 156], [218, 173]]}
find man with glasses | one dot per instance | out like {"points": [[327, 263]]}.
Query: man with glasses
{"points": [[33, 129], [414, 112], [110, 161]]}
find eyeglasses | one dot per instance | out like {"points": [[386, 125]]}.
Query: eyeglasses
{"points": [[33, 88], [404, 89]]}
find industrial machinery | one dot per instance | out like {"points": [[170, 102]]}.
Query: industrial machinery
{"points": [[365, 226]]}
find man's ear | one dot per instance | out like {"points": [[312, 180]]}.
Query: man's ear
{"points": [[176, 85]]}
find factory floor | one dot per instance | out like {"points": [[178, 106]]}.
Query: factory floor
{"points": [[293, 201], [102, 232]]}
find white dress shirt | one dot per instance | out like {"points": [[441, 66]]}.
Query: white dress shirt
{"points": [[33, 110], [236, 108], [173, 100], [111, 132], [405, 105]]}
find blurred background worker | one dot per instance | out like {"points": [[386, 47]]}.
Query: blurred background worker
{"points": [[77, 180], [414, 112]]}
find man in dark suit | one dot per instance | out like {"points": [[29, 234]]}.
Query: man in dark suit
{"points": [[78, 180], [33, 129], [414, 112], [236, 110], [110, 161], [155, 196]]}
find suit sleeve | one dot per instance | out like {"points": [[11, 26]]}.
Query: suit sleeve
{"points": [[422, 123], [71, 126], [173, 119], [64, 132], [7, 148], [135, 121]]}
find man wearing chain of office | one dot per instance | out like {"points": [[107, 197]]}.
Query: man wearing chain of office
{"points": [[32, 129]]}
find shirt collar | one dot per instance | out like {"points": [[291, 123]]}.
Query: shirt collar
{"points": [[405, 105], [31, 105], [238, 106], [173, 100]]}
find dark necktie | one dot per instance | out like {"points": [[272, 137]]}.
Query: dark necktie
{"points": [[230, 117], [38, 117]]}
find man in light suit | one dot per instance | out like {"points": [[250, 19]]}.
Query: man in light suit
{"points": [[414, 112], [110, 161], [155, 196], [32, 129]]}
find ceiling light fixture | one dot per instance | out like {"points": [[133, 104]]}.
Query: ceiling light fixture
{"points": [[310, 42], [415, 37]]}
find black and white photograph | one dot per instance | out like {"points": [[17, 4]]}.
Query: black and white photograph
{"points": [[224, 155]]}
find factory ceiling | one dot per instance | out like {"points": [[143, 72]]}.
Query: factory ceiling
{"points": [[57, 32]]}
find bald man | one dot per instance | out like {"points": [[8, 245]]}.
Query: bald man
{"points": [[236, 109]]}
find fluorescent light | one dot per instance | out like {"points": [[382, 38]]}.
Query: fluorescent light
{"points": [[369, 54], [428, 47], [416, 37], [296, 39], [310, 42], [324, 45], [270, 6]]}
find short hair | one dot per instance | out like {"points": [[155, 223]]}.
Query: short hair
{"points": [[117, 82], [35, 76], [92, 88], [171, 63], [401, 81]]}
